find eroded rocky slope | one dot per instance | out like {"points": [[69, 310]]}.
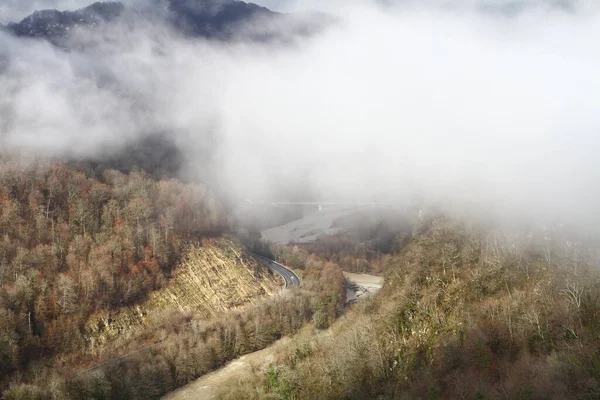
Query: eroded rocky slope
{"points": [[215, 276]]}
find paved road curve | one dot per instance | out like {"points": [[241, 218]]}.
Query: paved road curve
{"points": [[291, 279]]}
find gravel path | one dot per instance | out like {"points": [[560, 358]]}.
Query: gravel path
{"points": [[361, 286]]}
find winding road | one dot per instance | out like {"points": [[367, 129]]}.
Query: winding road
{"points": [[289, 276], [207, 385]]}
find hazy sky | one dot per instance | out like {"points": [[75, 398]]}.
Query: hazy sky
{"points": [[455, 103]]}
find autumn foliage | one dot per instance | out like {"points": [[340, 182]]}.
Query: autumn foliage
{"points": [[71, 244], [467, 311]]}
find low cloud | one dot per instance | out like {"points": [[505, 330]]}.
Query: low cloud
{"points": [[453, 102]]}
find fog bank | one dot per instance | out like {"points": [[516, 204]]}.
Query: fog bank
{"points": [[448, 100]]}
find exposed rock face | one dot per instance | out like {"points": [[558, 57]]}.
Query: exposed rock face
{"points": [[215, 276]]}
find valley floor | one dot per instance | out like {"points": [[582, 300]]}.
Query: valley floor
{"points": [[309, 227]]}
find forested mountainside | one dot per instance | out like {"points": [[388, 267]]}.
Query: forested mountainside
{"points": [[467, 312], [202, 18], [53, 24], [210, 19], [117, 285], [72, 245]]}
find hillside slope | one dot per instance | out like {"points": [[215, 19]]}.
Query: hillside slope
{"points": [[466, 312], [215, 276], [96, 268]]}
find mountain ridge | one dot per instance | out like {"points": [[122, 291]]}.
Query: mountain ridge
{"points": [[197, 18], [51, 23]]}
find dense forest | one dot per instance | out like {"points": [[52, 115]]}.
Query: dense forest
{"points": [[469, 310], [186, 345], [194, 346], [72, 244], [76, 244]]}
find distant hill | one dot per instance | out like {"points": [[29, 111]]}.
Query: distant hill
{"points": [[213, 18], [200, 18], [54, 24]]}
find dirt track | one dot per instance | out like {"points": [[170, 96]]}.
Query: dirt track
{"points": [[206, 386]]}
